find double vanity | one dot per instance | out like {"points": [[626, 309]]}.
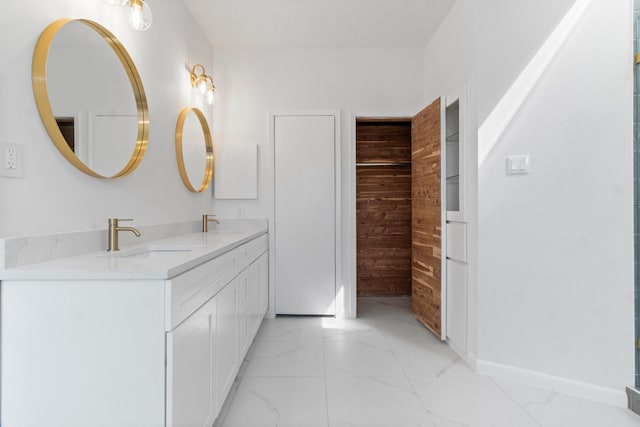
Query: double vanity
{"points": [[152, 331], [151, 335]]}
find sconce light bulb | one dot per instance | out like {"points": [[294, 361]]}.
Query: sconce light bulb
{"points": [[202, 86], [140, 16], [116, 2], [209, 96]]}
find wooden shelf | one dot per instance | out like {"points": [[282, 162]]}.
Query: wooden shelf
{"points": [[369, 164]]}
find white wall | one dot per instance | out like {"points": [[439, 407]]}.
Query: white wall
{"points": [[449, 54], [368, 82], [250, 83], [551, 294], [555, 274], [508, 35], [53, 196]]}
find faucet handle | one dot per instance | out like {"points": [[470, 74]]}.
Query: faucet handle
{"points": [[114, 221]]}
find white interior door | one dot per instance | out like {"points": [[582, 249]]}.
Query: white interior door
{"points": [[305, 215]]}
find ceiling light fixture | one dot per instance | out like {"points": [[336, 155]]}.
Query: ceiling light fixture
{"points": [[203, 82], [140, 15]]}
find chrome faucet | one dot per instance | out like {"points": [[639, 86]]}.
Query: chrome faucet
{"points": [[205, 222], [114, 228]]}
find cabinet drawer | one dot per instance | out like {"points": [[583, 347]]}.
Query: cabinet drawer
{"points": [[250, 251], [457, 241], [188, 291]]}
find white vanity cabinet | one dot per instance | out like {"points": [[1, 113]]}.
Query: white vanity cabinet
{"points": [[191, 359], [259, 297], [241, 306], [226, 351], [130, 352], [252, 294]]}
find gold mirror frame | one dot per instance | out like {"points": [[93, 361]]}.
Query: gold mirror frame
{"points": [[208, 173], [39, 81]]}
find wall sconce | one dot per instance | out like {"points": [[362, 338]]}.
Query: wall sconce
{"points": [[203, 82], [140, 16]]}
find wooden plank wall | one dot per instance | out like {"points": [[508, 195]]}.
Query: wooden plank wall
{"points": [[426, 218], [383, 204]]}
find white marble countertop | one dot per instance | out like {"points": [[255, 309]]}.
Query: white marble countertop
{"points": [[158, 259]]}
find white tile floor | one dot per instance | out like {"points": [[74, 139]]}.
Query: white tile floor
{"points": [[384, 370]]}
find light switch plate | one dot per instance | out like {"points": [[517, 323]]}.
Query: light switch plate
{"points": [[518, 165], [10, 159]]}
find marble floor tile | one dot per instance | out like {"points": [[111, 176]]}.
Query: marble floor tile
{"points": [[374, 402], [424, 359], [382, 308], [351, 330], [278, 401], [385, 369], [291, 329], [360, 359], [551, 409], [404, 329], [285, 359], [459, 396]]}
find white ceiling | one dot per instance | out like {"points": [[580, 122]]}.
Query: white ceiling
{"points": [[319, 23]]}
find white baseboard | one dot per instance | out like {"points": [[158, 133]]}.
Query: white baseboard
{"points": [[589, 391], [469, 359]]}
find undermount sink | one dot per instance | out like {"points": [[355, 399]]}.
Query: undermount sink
{"points": [[155, 251], [223, 231]]}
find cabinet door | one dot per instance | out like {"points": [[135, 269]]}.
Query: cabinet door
{"points": [[263, 263], [457, 304], [427, 219], [253, 273], [258, 274], [226, 346], [190, 376], [244, 313]]}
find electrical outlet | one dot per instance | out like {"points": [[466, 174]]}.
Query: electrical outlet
{"points": [[10, 159]]}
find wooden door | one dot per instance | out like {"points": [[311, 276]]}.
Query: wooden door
{"points": [[383, 206], [427, 290]]}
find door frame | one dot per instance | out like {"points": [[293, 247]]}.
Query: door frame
{"points": [[350, 249], [340, 301]]}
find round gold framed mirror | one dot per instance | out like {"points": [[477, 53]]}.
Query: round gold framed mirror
{"points": [[90, 98], [194, 149]]}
